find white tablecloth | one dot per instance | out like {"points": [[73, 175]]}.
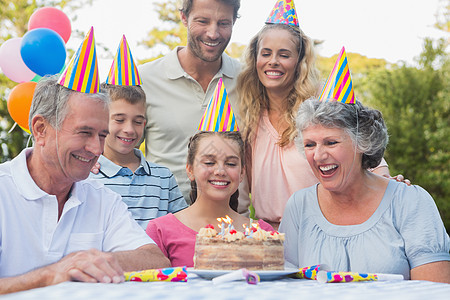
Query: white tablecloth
{"points": [[197, 288]]}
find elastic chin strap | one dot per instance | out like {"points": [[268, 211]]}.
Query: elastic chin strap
{"points": [[356, 142], [56, 137]]}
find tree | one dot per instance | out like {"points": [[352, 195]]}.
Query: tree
{"points": [[415, 103], [14, 16]]}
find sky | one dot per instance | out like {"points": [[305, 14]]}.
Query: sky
{"points": [[390, 29]]}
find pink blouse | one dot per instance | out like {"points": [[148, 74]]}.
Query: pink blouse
{"points": [[176, 240], [277, 172]]}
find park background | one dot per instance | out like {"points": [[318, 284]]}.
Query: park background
{"points": [[397, 51]]}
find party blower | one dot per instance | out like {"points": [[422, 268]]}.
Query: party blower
{"points": [[328, 277], [241, 274], [176, 274]]}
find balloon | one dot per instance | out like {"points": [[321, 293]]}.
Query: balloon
{"points": [[51, 18], [12, 63], [36, 78], [43, 51], [24, 129], [19, 102], [142, 147]]}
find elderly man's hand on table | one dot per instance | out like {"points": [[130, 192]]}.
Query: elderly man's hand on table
{"points": [[87, 266]]}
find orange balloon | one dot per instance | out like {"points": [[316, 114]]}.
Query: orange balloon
{"points": [[19, 102]]}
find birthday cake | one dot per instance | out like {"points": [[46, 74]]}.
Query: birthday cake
{"points": [[256, 249]]}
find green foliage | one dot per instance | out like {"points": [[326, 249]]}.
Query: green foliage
{"points": [[358, 64], [415, 103], [236, 50], [166, 39]]}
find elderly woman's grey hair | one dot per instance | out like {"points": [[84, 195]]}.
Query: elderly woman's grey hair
{"points": [[50, 100], [364, 125]]}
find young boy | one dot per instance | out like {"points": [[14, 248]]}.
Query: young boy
{"points": [[149, 190]]}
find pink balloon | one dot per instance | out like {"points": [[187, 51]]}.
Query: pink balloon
{"points": [[51, 18], [11, 61]]}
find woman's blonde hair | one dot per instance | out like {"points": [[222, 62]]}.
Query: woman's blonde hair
{"points": [[253, 96]]}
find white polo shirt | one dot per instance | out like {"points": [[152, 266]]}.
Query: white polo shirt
{"points": [[31, 235]]}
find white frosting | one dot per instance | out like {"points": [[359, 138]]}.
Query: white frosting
{"points": [[207, 232]]}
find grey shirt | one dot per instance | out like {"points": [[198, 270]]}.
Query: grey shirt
{"points": [[405, 231]]}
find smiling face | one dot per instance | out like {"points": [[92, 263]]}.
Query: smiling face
{"points": [[72, 151], [126, 127], [209, 28], [331, 154], [276, 60], [216, 169]]}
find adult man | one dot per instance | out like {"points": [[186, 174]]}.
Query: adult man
{"points": [[180, 85], [54, 224]]}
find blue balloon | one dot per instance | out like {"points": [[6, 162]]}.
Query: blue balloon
{"points": [[43, 51]]}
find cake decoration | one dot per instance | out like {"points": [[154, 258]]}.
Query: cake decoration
{"points": [[339, 85], [207, 231]]}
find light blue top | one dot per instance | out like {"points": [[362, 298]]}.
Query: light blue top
{"points": [[150, 192], [405, 231]]}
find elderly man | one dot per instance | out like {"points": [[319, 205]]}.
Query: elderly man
{"points": [[55, 225], [179, 85]]}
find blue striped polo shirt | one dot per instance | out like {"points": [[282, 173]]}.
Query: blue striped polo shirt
{"points": [[150, 192]]}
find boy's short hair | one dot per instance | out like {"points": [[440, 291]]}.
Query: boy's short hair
{"points": [[132, 94]]}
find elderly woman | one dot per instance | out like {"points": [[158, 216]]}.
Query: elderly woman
{"points": [[353, 219]]}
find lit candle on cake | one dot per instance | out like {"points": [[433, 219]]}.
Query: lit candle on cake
{"points": [[245, 229], [228, 220], [221, 226]]}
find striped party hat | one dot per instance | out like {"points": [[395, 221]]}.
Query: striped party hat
{"points": [[123, 69], [219, 115], [339, 85], [283, 13], [81, 74]]}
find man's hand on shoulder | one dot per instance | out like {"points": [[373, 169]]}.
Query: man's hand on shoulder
{"points": [[400, 178], [96, 168]]}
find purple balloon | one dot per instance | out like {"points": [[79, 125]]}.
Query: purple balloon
{"points": [[11, 61], [43, 51]]}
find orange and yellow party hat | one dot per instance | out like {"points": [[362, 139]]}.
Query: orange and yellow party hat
{"points": [[81, 74], [219, 115], [123, 69], [339, 85], [283, 13]]}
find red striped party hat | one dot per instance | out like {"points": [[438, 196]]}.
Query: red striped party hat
{"points": [[219, 115], [81, 74], [339, 85], [283, 13], [123, 69]]}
